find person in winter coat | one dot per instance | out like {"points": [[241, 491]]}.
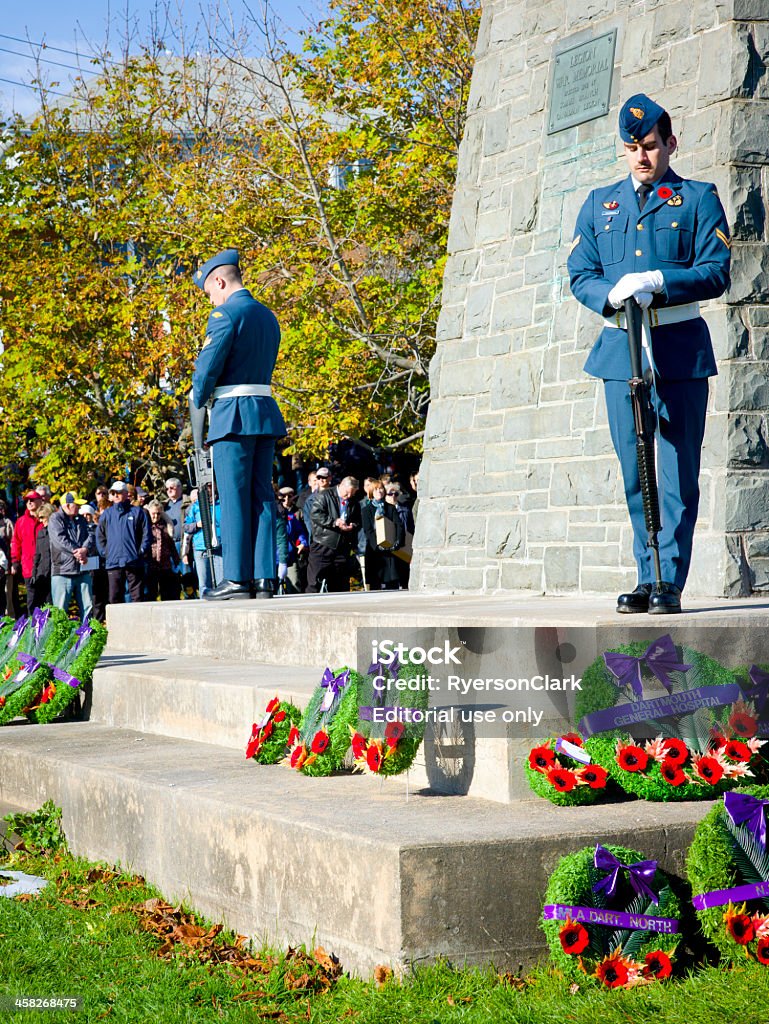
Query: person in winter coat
{"points": [[72, 544], [164, 557], [24, 540], [39, 586], [124, 539], [382, 571]]}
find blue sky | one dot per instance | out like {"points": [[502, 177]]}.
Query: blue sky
{"points": [[84, 25]]}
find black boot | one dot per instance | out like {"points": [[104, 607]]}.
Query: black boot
{"points": [[227, 590], [262, 588], [665, 599], [637, 601]]}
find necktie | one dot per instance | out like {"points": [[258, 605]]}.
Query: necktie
{"points": [[643, 195]]}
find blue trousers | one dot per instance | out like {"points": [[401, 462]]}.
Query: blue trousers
{"points": [[680, 406], [243, 470]]}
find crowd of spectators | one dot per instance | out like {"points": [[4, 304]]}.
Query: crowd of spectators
{"points": [[120, 545]]}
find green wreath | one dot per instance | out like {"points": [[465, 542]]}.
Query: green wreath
{"points": [[609, 955], [564, 780], [389, 747], [751, 719], [323, 738], [724, 855], [271, 736], [77, 661], [30, 662], [680, 763]]}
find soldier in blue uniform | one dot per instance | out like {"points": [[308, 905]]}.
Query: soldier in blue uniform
{"points": [[664, 241], [233, 374]]}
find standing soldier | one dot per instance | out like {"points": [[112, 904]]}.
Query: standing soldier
{"points": [[233, 372], [664, 241]]}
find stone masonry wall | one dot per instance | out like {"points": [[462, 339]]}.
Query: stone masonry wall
{"points": [[520, 487]]}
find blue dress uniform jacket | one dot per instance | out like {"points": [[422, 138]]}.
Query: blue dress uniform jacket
{"points": [[685, 235], [242, 340], [682, 233], [241, 347]]}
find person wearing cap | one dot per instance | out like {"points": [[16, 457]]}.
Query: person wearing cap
{"points": [[124, 540], [72, 544], [23, 543], [233, 373], [293, 569], [664, 241]]}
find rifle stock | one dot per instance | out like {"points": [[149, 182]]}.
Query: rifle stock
{"points": [[644, 418], [201, 473]]}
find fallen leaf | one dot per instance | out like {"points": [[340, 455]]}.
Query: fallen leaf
{"points": [[382, 975]]}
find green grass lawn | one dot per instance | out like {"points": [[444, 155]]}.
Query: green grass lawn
{"points": [[81, 937]]}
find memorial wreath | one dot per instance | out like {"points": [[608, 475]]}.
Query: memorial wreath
{"points": [[269, 736], [392, 701], [319, 744], [562, 771]]}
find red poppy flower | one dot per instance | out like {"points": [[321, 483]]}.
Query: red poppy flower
{"points": [[762, 950], [293, 736], [298, 757], [374, 757], [675, 750], [393, 733], [279, 717], [541, 758], [671, 772], [743, 725], [254, 743], [272, 705], [709, 769], [740, 927], [319, 742], [359, 744], [736, 750], [267, 731], [2, 702], [573, 737], [664, 192], [574, 937], [717, 739], [594, 775], [613, 971], [562, 779], [657, 965], [632, 759], [48, 693]]}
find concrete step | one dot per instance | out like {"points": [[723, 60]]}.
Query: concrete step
{"points": [[373, 870], [323, 629], [205, 700]]}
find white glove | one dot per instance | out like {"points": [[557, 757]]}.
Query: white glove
{"points": [[282, 571], [644, 299], [634, 284]]}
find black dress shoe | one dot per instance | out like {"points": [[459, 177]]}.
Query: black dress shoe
{"points": [[262, 589], [665, 599], [638, 601], [227, 590]]}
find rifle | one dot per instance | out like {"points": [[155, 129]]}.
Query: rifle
{"points": [[645, 420], [200, 468]]}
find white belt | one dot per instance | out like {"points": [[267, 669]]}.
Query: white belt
{"points": [[242, 391], [657, 317]]}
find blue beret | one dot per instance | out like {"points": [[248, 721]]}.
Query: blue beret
{"points": [[638, 117], [226, 258]]}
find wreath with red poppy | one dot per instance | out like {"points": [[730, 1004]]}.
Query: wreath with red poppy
{"points": [[563, 779], [269, 736], [26, 683], [609, 956], [319, 744], [724, 855], [697, 757], [72, 670], [391, 723]]}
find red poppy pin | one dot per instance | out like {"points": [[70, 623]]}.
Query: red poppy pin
{"points": [[664, 192]]}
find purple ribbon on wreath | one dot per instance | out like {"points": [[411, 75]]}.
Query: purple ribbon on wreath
{"points": [[639, 874], [378, 668], [29, 664], [40, 621], [745, 809], [18, 629], [82, 633], [660, 657], [333, 686], [65, 677], [760, 692]]}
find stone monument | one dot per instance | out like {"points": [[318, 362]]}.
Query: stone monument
{"points": [[520, 488]]}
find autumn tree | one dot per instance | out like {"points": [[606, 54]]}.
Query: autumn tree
{"points": [[331, 169]]}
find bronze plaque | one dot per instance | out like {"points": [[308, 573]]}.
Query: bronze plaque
{"points": [[580, 86]]}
